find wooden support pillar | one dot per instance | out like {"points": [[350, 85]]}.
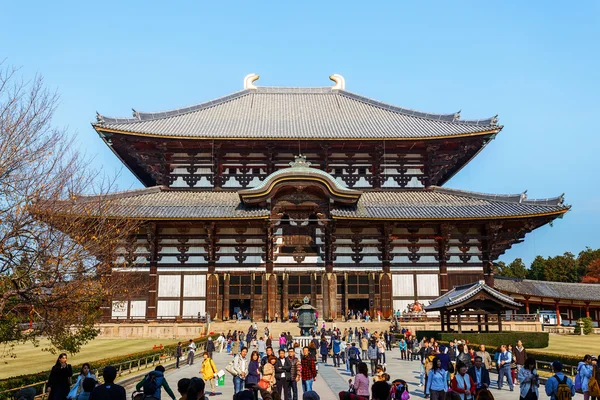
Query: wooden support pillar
{"points": [[385, 291], [478, 322], [253, 310], [526, 305], [212, 294], [558, 318], [152, 292], [284, 296], [458, 322], [152, 302], [346, 293], [499, 322], [448, 316], [212, 279], [587, 309], [372, 310], [226, 312], [486, 321], [385, 278], [442, 249], [325, 293], [271, 298], [330, 292], [442, 320]]}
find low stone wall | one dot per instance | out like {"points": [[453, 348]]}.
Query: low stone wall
{"points": [[151, 330], [566, 330]]}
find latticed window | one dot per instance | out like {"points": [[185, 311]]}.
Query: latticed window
{"points": [[240, 285], [358, 284], [299, 284], [258, 284]]}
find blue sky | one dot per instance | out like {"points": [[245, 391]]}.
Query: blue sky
{"points": [[536, 64]]}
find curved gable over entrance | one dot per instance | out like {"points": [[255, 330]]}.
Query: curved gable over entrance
{"points": [[300, 176]]}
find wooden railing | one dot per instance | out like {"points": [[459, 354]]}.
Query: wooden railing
{"points": [[470, 318]]}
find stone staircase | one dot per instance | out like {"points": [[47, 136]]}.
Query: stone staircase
{"points": [[277, 328]]}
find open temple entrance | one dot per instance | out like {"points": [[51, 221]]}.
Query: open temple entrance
{"points": [[358, 305], [239, 305]]}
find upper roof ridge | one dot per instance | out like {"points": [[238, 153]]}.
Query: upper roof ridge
{"points": [[452, 118], [509, 198]]}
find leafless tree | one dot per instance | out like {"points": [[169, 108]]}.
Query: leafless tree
{"points": [[55, 250]]}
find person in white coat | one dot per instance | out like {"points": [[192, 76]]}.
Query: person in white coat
{"points": [[530, 380]]}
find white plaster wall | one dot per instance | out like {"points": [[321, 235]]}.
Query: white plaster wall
{"points": [[191, 308], [403, 285], [169, 285], [167, 308], [427, 285], [194, 286]]}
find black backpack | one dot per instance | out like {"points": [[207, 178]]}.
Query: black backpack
{"points": [[353, 353], [150, 385]]}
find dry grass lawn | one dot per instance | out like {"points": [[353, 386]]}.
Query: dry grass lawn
{"points": [[31, 359], [574, 345]]}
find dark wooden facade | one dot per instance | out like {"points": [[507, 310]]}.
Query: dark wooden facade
{"points": [[366, 226]]}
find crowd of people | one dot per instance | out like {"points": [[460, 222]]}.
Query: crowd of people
{"points": [[280, 368]]}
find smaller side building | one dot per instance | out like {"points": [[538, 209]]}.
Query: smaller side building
{"points": [[569, 301]]}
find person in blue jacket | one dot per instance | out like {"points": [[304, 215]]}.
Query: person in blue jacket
{"points": [[558, 377], [336, 350]]}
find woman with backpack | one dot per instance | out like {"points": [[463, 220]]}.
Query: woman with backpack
{"points": [[323, 349], [529, 380], [584, 373]]}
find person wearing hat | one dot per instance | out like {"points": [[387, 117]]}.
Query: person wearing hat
{"points": [[558, 378]]}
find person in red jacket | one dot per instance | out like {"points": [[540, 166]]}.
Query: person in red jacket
{"points": [[462, 383]]}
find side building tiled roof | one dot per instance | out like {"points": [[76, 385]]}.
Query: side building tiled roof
{"points": [[460, 294], [161, 202], [552, 290], [296, 113]]}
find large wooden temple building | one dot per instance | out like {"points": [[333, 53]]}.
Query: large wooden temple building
{"points": [[259, 198]]}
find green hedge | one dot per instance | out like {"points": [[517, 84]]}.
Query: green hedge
{"points": [[29, 379], [531, 340]]}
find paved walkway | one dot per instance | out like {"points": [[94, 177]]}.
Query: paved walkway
{"points": [[331, 380], [226, 392]]}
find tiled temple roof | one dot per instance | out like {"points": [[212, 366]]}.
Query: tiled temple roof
{"points": [[552, 290], [442, 203], [296, 113], [161, 202], [463, 293]]}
